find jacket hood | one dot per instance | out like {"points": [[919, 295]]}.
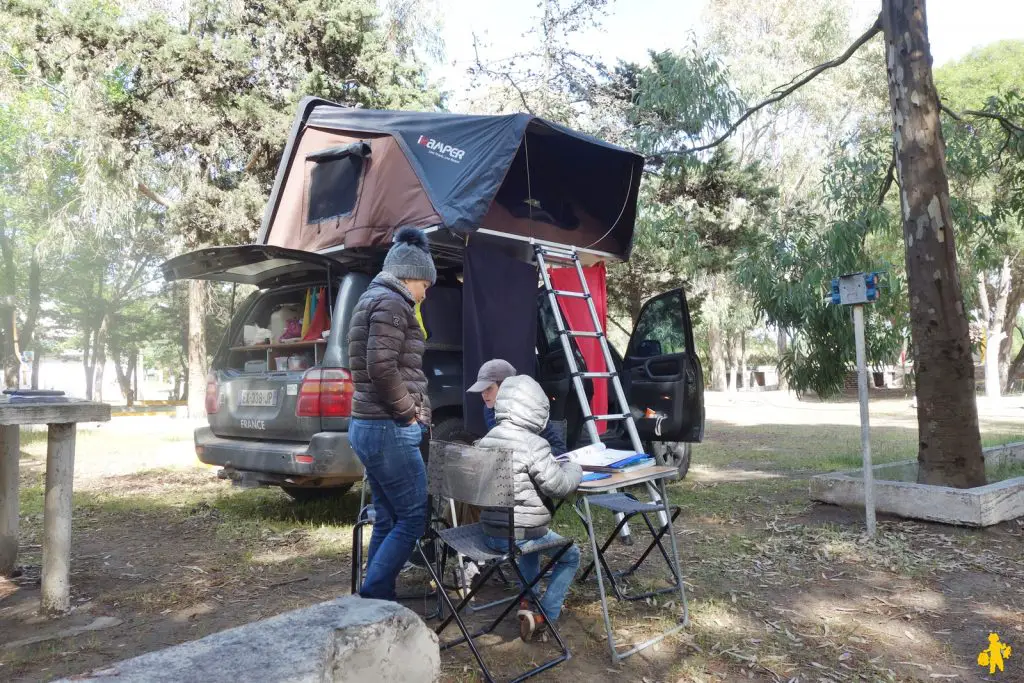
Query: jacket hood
{"points": [[522, 402]]}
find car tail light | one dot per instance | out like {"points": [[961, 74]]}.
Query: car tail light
{"points": [[212, 394], [325, 392]]}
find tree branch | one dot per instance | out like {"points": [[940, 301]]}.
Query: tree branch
{"points": [[890, 176], [151, 194], [1006, 123], [875, 29], [499, 74]]}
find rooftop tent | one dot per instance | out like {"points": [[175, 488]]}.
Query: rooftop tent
{"points": [[350, 177]]}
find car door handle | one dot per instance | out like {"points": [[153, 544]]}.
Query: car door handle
{"points": [[672, 377]]}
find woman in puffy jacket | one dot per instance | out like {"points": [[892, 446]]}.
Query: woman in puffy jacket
{"points": [[390, 409], [521, 411]]}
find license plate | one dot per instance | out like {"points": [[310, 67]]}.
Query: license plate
{"points": [[258, 398]]}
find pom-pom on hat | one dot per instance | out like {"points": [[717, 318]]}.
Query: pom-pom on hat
{"points": [[409, 257]]}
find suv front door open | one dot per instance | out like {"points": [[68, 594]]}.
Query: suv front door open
{"points": [[661, 374]]}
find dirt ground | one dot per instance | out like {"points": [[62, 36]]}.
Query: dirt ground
{"points": [[780, 589]]}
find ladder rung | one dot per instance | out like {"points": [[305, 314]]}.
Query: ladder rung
{"points": [[570, 295], [576, 333], [608, 418], [596, 375], [566, 256]]}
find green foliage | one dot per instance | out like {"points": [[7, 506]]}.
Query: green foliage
{"points": [[203, 102], [985, 72], [789, 272], [129, 132], [679, 100]]}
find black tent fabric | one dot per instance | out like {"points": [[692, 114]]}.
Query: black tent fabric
{"points": [[463, 161], [499, 320]]}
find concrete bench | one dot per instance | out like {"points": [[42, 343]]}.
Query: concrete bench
{"points": [[348, 639]]}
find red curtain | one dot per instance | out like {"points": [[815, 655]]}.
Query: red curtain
{"points": [[577, 317]]}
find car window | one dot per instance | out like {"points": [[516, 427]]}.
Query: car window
{"points": [[661, 329]]}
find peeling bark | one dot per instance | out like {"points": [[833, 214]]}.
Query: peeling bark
{"points": [[197, 296], [949, 448]]}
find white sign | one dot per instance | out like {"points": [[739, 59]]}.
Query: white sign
{"points": [[853, 289]]}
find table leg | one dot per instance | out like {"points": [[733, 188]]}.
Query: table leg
{"points": [[60, 475], [10, 447], [675, 552], [600, 580]]}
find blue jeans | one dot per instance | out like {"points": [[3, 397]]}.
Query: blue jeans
{"points": [[390, 454], [562, 573]]}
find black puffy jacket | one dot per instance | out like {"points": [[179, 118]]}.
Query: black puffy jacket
{"points": [[385, 349]]}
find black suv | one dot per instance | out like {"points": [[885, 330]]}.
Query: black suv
{"points": [[285, 423]]}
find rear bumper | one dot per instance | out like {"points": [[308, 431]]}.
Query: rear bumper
{"points": [[274, 462]]}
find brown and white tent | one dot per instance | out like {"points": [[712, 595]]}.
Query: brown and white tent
{"points": [[350, 177]]}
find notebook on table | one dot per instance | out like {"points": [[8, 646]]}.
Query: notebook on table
{"points": [[600, 458]]}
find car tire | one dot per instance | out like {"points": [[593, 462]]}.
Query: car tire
{"points": [[305, 494], [672, 454], [452, 430]]}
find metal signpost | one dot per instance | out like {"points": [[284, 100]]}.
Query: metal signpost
{"points": [[857, 289]]}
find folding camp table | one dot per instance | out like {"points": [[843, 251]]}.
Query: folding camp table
{"points": [[654, 479]]}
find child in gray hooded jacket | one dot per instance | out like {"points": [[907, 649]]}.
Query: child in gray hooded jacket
{"points": [[521, 412]]}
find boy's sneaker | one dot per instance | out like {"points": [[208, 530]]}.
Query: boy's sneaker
{"points": [[531, 626]]}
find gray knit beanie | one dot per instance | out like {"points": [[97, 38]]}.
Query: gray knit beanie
{"points": [[409, 257]]}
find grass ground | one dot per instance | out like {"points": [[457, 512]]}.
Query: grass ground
{"points": [[780, 589]]}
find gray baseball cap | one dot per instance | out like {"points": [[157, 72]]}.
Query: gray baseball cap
{"points": [[493, 371]]}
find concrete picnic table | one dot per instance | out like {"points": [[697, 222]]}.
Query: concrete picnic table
{"points": [[61, 415]]}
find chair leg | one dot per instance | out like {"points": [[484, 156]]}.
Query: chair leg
{"points": [[455, 615], [526, 589], [357, 557]]}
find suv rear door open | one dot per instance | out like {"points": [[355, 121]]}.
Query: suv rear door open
{"points": [[661, 374], [247, 395], [249, 264]]}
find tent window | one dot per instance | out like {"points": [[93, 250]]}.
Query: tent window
{"points": [[334, 181]]}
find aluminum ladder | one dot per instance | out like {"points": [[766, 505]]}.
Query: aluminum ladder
{"points": [[546, 254]]}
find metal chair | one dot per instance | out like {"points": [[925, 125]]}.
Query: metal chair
{"points": [[366, 518], [483, 478], [561, 427]]}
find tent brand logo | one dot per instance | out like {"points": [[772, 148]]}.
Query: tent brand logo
{"points": [[442, 150]]}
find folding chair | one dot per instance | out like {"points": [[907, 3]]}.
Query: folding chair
{"points": [[483, 478], [366, 518], [560, 426], [629, 506]]}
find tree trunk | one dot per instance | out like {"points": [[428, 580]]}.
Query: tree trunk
{"points": [[995, 319], [197, 301], [87, 361], [124, 375], [36, 359], [1015, 367], [780, 346], [12, 374], [1010, 325], [734, 364], [28, 331], [717, 346], [949, 440], [99, 355], [744, 372]]}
